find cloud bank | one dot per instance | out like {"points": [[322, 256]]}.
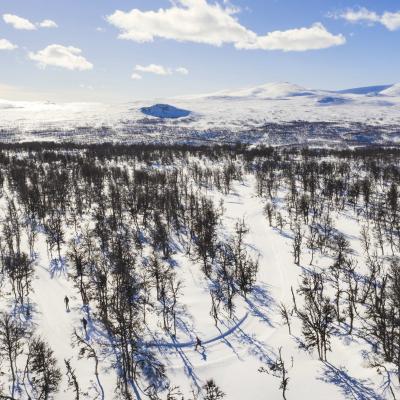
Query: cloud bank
{"points": [[215, 24], [61, 56]]}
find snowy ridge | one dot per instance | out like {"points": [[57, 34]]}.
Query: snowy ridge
{"points": [[268, 91], [393, 90]]}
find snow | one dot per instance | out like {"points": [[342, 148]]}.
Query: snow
{"points": [[273, 90], [234, 350], [393, 90], [219, 115], [56, 326]]}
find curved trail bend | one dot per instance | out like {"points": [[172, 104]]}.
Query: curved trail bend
{"points": [[193, 343]]}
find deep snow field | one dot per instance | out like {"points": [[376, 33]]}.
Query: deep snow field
{"points": [[234, 349]]}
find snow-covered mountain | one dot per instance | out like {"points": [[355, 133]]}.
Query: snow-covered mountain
{"points": [[256, 114], [393, 90], [275, 90]]}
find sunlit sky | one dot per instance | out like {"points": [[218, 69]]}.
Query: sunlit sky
{"points": [[120, 50]]}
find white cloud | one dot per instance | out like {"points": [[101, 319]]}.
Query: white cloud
{"points": [[61, 56], [313, 38], [157, 70], [391, 20], [48, 23], [360, 14], [153, 69], [7, 45], [24, 24], [18, 22], [182, 70], [215, 24]]}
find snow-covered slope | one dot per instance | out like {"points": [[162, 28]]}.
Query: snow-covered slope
{"points": [[393, 90], [274, 90]]}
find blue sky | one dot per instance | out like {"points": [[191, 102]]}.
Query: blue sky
{"points": [[90, 51]]}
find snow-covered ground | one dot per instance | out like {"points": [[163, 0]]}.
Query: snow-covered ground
{"points": [[234, 350], [234, 111]]}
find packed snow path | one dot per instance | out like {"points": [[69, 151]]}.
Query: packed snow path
{"points": [[205, 342]]}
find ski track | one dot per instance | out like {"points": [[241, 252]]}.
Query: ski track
{"points": [[193, 343], [56, 325]]}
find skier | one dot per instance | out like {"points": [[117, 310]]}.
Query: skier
{"points": [[84, 323], [198, 344], [66, 301]]}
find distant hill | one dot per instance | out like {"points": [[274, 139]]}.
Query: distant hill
{"points": [[331, 100], [274, 90], [165, 111], [393, 90]]}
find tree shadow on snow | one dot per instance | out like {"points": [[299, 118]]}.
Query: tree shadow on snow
{"points": [[283, 233], [351, 387], [58, 267], [188, 366], [255, 347], [185, 326], [24, 313], [260, 302], [229, 344], [357, 335]]}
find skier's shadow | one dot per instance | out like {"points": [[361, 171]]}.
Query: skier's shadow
{"points": [[203, 353]]}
